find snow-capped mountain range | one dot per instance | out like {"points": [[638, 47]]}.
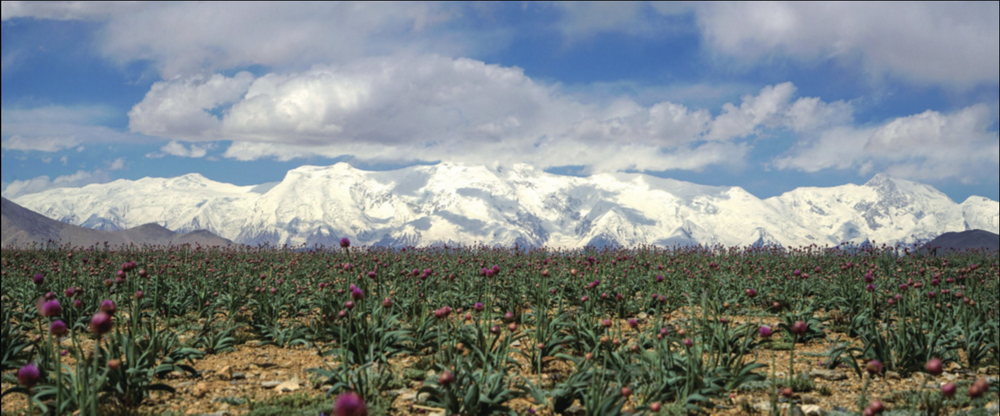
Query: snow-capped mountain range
{"points": [[457, 204]]}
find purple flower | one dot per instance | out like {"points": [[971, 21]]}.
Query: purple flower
{"points": [[688, 343], [345, 243], [949, 390], [28, 376], [766, 332], [751, 293], [357, 294], [387, 303], [479, 307], [39, 279], [51, 309], [350, 404], [934, 367], [800, 328], [58, 328], [446, 379], [101, 323], [109, 307], [874, 367]]}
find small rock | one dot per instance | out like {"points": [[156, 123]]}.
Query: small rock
{"points": [[238, 376], [409, 396], [288, 387], [200, 390], [422, 397], [268, 385], [575, 410], [215, 414], [515, 344], [828, 375], [950, 377], [892, 375], [812, 410], [807, 399], [253, 344], [226, 373], [762, 407], [643, 316]]}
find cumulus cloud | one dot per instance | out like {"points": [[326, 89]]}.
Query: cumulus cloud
{"points": [[43, 183], [927, 146], [179, 150], [948, 43], [54, 129], [117, 164], [429, 108], [64, 10], [184, 38]]}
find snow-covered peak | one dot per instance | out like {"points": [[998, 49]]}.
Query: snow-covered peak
{"points": [[455, 203]]}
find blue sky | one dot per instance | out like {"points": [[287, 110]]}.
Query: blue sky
{"points": [[766, 96]]}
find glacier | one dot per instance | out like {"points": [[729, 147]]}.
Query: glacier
{"points": [[520, 205]]}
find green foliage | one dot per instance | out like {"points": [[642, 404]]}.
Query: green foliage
{"points": [[293, 405]]}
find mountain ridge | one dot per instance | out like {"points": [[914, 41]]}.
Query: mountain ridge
{"points": [[24, 228], [460, 204]]}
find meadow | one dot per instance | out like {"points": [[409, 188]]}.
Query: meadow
{"points": [[482, 331]]}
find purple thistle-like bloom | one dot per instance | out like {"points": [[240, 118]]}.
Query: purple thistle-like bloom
{"points": [[51, 308], [949, 390], [350, 404], [688, 343], [357, 294], [479, 307], [632, 323], [934, 367], [874, 367], [766, 332], [28, 376], [109, 307], [800, 328], [39, 279], [345, 243], [101, 323], [58, 328]]}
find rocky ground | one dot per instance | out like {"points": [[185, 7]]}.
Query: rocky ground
{"points": [[257, 376]]}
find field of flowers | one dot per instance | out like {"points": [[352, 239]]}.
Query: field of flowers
{"points": [[482, 331]]}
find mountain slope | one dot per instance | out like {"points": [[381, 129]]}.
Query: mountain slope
{"points": [[966, 240], [22, 228], [449, 203]]}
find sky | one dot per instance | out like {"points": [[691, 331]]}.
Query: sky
{"points": [[765, 96]]}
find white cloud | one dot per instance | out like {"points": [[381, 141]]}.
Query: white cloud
{"points": [[178, 108], [185, 38], [53, 129], [117, 164], [43, 183], [64, 10], [950, 43], [927, 146], [177, 149], [432, 108]]}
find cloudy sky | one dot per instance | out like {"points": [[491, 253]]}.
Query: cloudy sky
{"points": [[767, 96]]}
